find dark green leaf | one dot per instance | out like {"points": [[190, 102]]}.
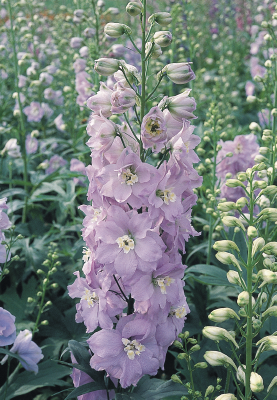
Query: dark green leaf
{"points": [[87, 388]]}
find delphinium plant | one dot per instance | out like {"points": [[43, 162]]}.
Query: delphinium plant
{"points": [[141, 184]]}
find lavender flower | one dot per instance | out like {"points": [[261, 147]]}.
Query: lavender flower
{"points": [[55, 163], [28, 351], [34, 112], [31, 144], [153, 130], [7, 328]]}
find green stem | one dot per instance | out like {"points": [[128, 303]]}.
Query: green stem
{"points": [[210, 237], [143, 72], [22, 125], [227, 384], [7, 383], [155, 88], [249, 333]]}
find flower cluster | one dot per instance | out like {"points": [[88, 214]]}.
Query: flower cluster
{"points": [[134, 230]]}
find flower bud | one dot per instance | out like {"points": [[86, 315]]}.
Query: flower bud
{"points": [[234, 183], [269, 190], [175, 378], [163, 38], [222, 314], [242, 176], [179, 73], [256, 323], [272, 383], [242, 312], [201, 365], [259, 158], [267, 276], [241, 202], [162, 18], [258, 244], [209, 390], [216, 333], [106, 66], [233, 277], [233, 221], [115, 30], [225, 245], [216, 358], [243, 299], [227, 259], [134, 8], [241, 374], [270, 312], [194, 348], [270, 248], [155, 49], [269, 213], [259, 185], [226, 396], [256, 382], [227, 206], [176, 343], [252, 232]]}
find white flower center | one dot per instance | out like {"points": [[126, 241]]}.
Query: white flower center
{"points": [[179, 312], [163, 282], [132, 348], [166, 195], [128, 177], [187, 147], [96, 213], [153, 127], [126, 243], [239, 148], [35, 111], [86, 254], [90, 297]]}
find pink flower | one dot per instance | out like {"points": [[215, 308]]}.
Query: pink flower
{"points": [[122, 99], [79, 65], [76, 42], [100, 103], [180, 106], [55, 163]]}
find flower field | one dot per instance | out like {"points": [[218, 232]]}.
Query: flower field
{"points": [[138, 192]]}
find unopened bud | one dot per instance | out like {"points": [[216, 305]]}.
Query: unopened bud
{"points": [[54, 285], [242, 176], [30, 300], [156, 50], [106, 66], [226, 396], [234, 183], [241, 202], [258, 244], [134, 8], [241, 374], [243, 299], [259, 185], [267, 276], [163, 38], [272, 383], [255, 127], [222, 314], [179, 73], [232, 222], [225, 245], [233, 277], [209, 390], [270, 312], [201, 365], [256, 382], [252, 232], [161, 18], [270, 248], [227, 259], [175, 378], [115, 30], [177, 344], [45, 322], [227, 206], [269, 190], [216, 358], [216, 333]]}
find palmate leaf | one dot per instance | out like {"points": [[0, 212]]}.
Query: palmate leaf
{"points": [[49, 374]]}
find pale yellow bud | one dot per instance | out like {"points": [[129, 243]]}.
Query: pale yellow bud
{"points": [[225, 245], [216, 358], [256, 382], [258, 244], [216, 333], [243, 299], [222, 314], [227, 259], [232, 222]]}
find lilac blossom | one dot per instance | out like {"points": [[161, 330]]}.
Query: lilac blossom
{"points": [[127, 352], [28, 351], [7, 328], [79, 65], [22, 80], [244, 149], [101, 102], [48, 112], [83, 87], [153, 130], [122, 99], [34, 112], [55, 163], [60, 125], [31, 144], [127, 241], [76, 42], [78, 166], [46, 78]]}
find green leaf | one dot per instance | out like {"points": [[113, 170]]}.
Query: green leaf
{"points": [[9, 353], [209, 275], [87, 388], [49, 374], [158, 389]]}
